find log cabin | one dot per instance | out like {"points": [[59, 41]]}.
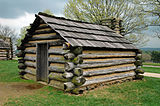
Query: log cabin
{"points": [[4, 50], [75, 56]]}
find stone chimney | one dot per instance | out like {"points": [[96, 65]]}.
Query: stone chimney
{"points": [[114, 23]]}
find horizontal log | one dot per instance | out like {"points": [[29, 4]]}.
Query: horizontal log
{"points": [[30, 64], [95, 51], [112, 60], [3, 53], [58, 77], [78, 71], [45, 37], [56, 69], [109, 78], [107, 55], [30, 77], [43, 41], [30, 58], [54, 43], [108, 71], [57, 84], [68, 86], [21, 66], [69, 66], [30, 71], [78, 80], [56, 60], [57, 51], [31, 51], [46, 29], [107, 63]]}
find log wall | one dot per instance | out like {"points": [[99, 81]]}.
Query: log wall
{"points": [[4, 54], [104, 66], [27, 62]]}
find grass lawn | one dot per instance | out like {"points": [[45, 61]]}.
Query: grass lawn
{"points": [[9, 72], [152, 69], [153, 64], [145, 92]]}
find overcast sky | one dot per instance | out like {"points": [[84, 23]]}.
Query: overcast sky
{"points": [[19, 13]]}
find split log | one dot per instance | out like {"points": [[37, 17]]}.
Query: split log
{"points": [[57, 51], [77, 50], [45, 37], [105, 55], [139, 70], [69, 56], [139, 57], [30, 77], [69, 66], [108, 63], [31, 64], [57, 84], [67, 75], [68, 86], [58, 77], [21, 66], [138, 63], [109, 78], [56, 69], [106, 60], [30, 58], [78, 80], [56, 60], [108, 71], [66, 46], [78, 71], [30, 71], [31, 51], [78, 60]]}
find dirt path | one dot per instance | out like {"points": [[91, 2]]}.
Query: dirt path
{"points": [[152, 75], [150, 66], [8, 90]]}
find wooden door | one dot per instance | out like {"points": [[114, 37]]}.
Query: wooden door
{"points": [[42, 62]]}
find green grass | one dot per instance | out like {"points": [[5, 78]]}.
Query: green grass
{"points": [[9, 72], [152, 69], [145, 92], [153, 64]]}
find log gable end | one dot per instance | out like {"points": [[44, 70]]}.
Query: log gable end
{"points": [[80, 56]]}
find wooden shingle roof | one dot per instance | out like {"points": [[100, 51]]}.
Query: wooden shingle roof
{"points": [[85, 34]]}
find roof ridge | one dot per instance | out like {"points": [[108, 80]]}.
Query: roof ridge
{"points": [[53, 16]]}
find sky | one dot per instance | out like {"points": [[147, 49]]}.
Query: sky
{"points": [[20, 13]]}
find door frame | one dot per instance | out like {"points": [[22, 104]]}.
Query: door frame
{"points": [[37, 75]]}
